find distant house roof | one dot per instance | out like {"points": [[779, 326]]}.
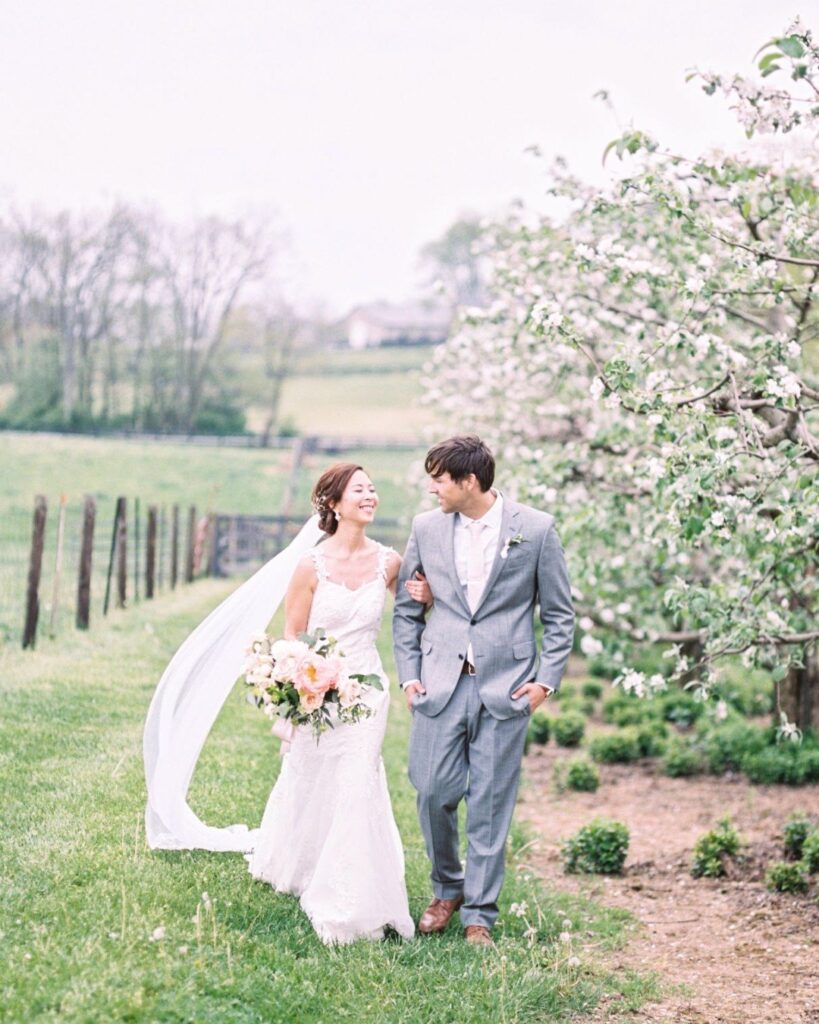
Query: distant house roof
{"points": [[380, 322]]}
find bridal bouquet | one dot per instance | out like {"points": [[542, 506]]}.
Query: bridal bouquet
{"points": [[299, 682]]}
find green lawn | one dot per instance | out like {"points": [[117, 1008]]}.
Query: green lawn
{"points": [[82, 895]]}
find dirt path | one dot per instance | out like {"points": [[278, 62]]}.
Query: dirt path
{"points": [[743, 955]]}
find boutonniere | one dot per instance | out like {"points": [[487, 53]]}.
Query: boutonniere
{"points": [[511, 542]]}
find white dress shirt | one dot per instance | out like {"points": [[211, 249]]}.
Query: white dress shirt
{"points": [[490, 534]]}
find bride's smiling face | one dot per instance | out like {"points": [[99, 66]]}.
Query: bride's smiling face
{"points": [[359, 500]]}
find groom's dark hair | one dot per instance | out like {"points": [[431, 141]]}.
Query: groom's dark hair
{"points": [[460, 456]]}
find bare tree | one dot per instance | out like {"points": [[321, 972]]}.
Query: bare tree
{"points": [[206, 269]]}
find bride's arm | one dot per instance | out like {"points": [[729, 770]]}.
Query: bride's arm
{"points": [[417, 588], [299, 598]]}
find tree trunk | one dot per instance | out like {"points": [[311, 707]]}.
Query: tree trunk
{"points": [[799, 693]]}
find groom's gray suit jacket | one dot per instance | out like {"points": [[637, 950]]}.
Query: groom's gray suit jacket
{"points": [[500, 629]]}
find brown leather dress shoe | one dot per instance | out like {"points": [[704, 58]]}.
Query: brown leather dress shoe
{"points": [[478, 935], [438, 915]]}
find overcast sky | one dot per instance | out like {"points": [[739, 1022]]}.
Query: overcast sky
{"points": [[366, 126]]}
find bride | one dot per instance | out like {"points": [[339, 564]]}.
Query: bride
{"points": [[328, 834]]}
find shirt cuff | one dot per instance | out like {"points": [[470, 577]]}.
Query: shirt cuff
{"points": [[410, 682]]}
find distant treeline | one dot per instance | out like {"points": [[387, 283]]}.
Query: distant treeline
{"points": [[123, 320]]}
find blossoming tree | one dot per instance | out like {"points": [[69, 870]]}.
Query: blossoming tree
{"points": [[647, 368]]}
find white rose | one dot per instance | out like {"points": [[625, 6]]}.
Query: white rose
{"points": [[349, 693], [287, 654]]}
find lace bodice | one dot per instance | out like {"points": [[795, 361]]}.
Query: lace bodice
{"points": [[353, 617]]}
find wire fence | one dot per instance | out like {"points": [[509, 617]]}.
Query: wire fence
{"points": [[68, 564], [48, 583]]}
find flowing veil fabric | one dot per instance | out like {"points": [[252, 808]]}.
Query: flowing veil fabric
{"points": [[190, 694]]}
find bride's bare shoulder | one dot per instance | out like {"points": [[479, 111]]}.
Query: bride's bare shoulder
{"points": [[305, 572]]}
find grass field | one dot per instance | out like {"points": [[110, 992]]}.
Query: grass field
{"points": [[373, 394], [82, 896], [246, 480]]}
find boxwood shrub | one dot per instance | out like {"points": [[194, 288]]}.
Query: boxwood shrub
{"points": [[617, 748], [786, 877], [569, 729], [713, 848], [539, 728], [797, 829], [598, 848], [681, 760]]}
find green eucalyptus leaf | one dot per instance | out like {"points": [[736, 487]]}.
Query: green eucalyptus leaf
{"points": [[791, 46]]}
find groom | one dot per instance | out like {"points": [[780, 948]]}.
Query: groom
{"points": [[471, 672]]}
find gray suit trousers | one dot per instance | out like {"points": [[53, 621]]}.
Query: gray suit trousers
{"points": [[464, 752]]}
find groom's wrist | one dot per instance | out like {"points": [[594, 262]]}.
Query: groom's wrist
{"points": [[410, 682]]}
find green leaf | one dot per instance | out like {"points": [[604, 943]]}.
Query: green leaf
{"points": [[779, 673], [369, 679], [770, 70], [767, 60], [609, 148], [771, 42], [791, 46]]}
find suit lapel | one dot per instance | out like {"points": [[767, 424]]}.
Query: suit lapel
{"points": [[508, 528], [449, 558]]}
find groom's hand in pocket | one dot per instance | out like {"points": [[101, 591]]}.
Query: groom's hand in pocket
{"points": [[535, 694], [410, 690]]}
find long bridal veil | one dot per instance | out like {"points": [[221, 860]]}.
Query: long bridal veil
{"points": [[190, 694]]}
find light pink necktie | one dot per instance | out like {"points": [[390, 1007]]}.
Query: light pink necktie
{"points": [[475, 571]]}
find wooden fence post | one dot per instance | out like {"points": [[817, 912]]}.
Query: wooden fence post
{"points": [[120, 509], [162, 531], [212, 553], [290, 490], [150, 553], [174, 546], [122, 555], [58, 568], [86, 555], [136, 550], [35, 566], [191, 543]]}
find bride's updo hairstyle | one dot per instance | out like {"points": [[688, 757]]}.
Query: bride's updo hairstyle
{"points": [[329, 490]]}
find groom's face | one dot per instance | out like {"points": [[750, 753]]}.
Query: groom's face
{"points": [[452, 496]]}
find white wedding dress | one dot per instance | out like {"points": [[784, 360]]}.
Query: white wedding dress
{"points": [[328, 834]]}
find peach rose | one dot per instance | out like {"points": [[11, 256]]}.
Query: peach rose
{"points": [[316, 674], [310, 701]]}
